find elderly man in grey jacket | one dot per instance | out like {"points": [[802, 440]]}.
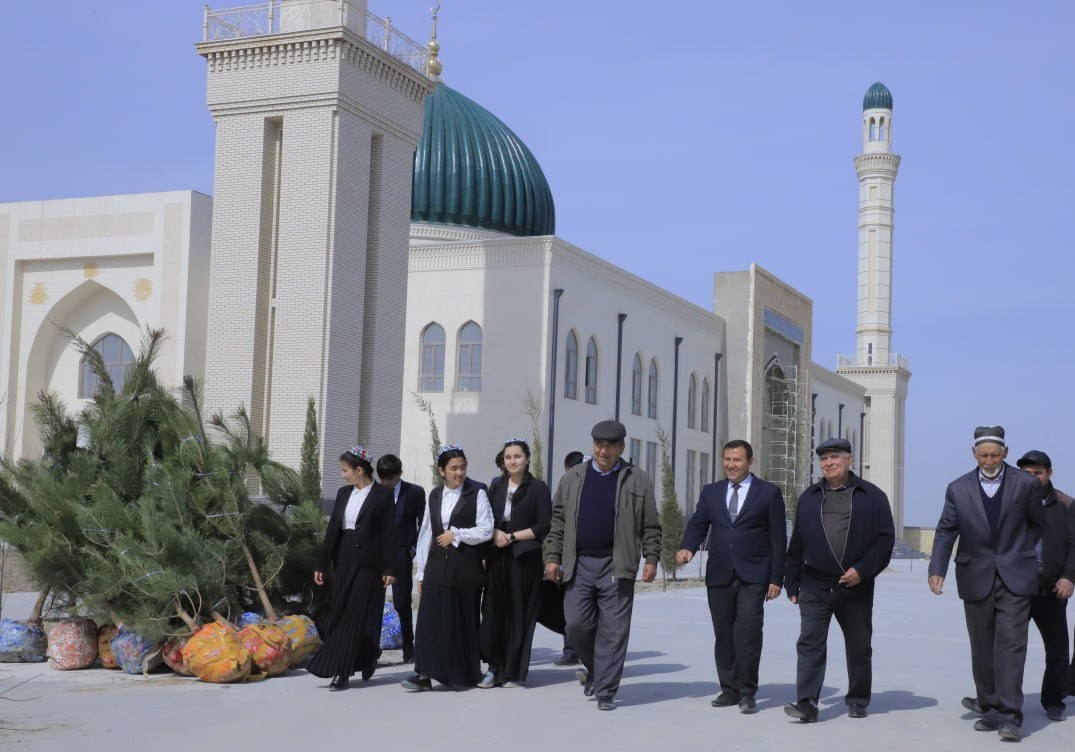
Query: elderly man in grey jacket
{"points": [[604, 520]]}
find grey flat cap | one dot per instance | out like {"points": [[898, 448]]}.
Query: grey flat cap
{"points": [[609, 430], [834, 445]]}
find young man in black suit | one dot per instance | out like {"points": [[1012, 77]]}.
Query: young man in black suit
{"points": [[743, 517], [842, 540], [410, 501]]}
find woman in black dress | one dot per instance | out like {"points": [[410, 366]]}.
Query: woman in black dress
{"points": [[450, 576], [522, 513], [360, 546]]}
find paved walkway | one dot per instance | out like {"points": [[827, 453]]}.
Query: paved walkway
{"points": [[921, 669]]}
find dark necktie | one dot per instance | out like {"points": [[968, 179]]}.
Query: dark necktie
{"points": [[733, 503]]}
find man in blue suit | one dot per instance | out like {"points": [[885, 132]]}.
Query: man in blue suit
{"points": [[743, 516]]}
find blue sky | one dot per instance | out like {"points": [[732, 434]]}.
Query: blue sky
{"points": [[704, 134]]}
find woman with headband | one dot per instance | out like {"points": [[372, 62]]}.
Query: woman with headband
{"points": [[522, 513], [450, 576], [359, 548]]}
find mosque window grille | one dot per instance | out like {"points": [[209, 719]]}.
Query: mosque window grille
{"points": [[636, 386], [591, 371], [651, 405], [705, 406], [117, 357], [432, 361], [469, 372], [571, 367]]}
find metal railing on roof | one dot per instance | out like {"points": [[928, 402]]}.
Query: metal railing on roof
{"points": [[894, 359], [264, 19]]}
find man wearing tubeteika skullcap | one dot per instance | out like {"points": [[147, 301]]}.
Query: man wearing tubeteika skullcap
{"points": [[996, 514]]}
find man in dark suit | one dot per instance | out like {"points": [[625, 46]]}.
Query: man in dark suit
{"points": [[743, 517], [1056, 580], [841, 542], [410, 503], [995, 512]]}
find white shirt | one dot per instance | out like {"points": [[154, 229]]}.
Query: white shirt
{"points": [[354, 506], [395, 491], [744, 487], [991, 486], [481, 532]]}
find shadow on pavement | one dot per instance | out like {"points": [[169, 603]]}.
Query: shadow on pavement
{"points": [[647, 693]]}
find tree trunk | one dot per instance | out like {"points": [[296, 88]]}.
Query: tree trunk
{"points": [[270, 614], [39, 606]]}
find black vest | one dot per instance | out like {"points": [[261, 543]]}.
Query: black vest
{"points": [[454, 566]]}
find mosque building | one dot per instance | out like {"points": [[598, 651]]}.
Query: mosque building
{"points": [[381, 242]]}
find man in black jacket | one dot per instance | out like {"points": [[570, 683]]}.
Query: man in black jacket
{"points": [[410, 508], [841, 542], [743, 517], [996, 514], [1056, 580]]}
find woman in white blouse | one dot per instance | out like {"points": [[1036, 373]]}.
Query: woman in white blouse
{"points": [[359, 548], [450, 576]]}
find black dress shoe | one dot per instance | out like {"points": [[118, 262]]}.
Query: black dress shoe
{"points": [[1055, 713], [972, 705], [856, 710], [747, 704], [725, 700], [804, 710], [1009, 732], [408, 655], [367, 672], [417, 683], [566, 660], [986, 724], [605, 703], [338, 684]]}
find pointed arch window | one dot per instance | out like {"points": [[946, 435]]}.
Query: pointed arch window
{"points": [[571, 367], [591, 371], [468, 376], [651, 402], [636, 385], [705, 405], [692, 402], [432, 361], [117, 357]]}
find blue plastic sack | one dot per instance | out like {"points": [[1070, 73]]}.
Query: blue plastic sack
{"points": [[391, 631], [22, 643], [246, 618], [134, 653]]}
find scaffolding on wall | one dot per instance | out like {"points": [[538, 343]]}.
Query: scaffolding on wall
{"points": [[786, 423]]}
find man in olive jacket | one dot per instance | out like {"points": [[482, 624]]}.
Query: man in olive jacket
{"points": [[604, 519]]}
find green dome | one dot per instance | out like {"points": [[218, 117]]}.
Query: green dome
{"points": [[471, 170], [878, 97]]}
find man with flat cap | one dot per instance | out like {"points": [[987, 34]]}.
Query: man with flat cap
{"points": [[841, 542], [1055, 561], [604, 520], [995, 512]]}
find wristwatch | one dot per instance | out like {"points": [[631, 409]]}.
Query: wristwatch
{"points": [[512, 537]]}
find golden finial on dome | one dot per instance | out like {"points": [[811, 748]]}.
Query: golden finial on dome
{"points": [[433, 65]]}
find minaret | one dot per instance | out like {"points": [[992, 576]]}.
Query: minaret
{"points": [[876, 168], [874, 365], [318, 107]]}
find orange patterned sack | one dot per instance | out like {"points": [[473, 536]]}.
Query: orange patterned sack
{"points": [[215, 654], [269, 646], [104, 648], [172, 653], [303, 635], [73, 644]]}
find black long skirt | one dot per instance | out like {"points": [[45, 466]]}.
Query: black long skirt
{"points": [[446, 643], [510, 611], [353, 629]]}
